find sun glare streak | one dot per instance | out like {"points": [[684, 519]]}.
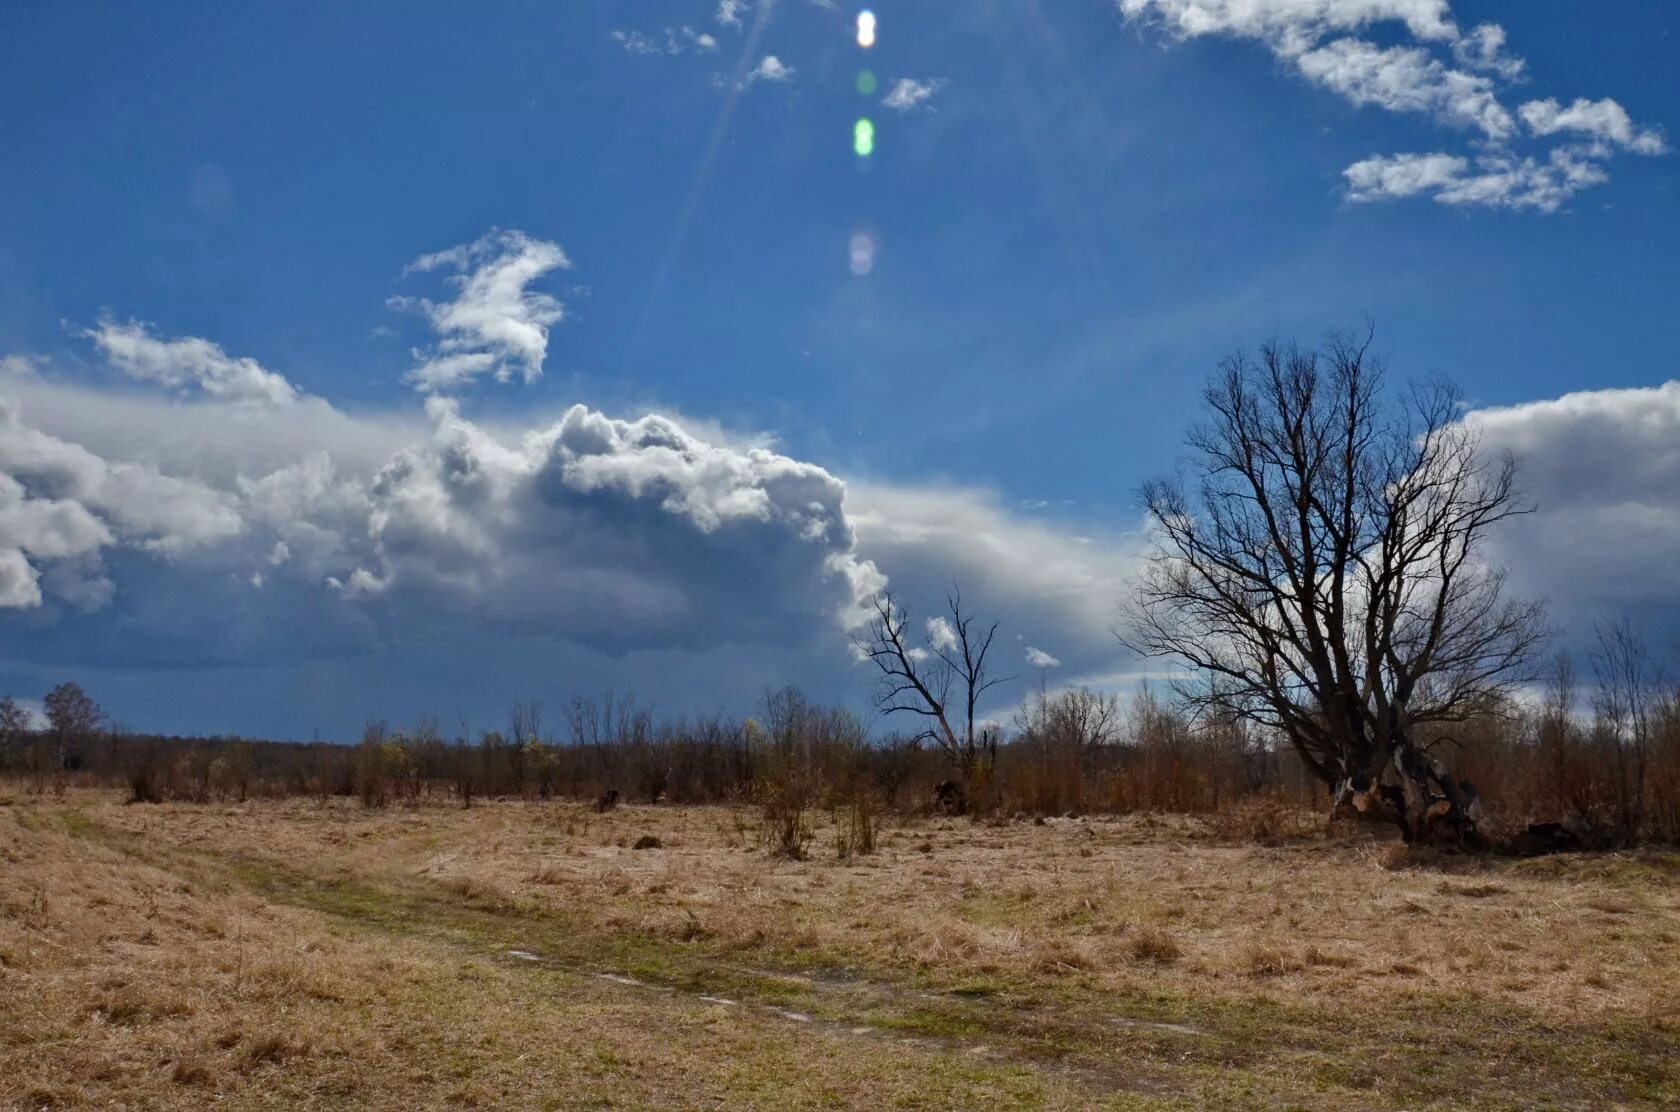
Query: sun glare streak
{"points": [[866, 29]]}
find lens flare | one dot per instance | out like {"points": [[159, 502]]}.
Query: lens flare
{"points": [[863, 138], [863, 253], [866, 28], [866, 84]]}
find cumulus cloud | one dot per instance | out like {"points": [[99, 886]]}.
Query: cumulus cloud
{"points": [[621, 534], [60, 503], [1038, 658], [188, 365], [1452, 76], [729, 12], [770, 68], [625, 533], [1602, 469], [908, 93], [495, 324]]}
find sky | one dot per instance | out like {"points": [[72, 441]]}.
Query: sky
{"points": [[378, 360]]}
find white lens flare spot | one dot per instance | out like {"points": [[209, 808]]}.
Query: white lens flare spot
{"points": [[866, 28], [863, 249]]}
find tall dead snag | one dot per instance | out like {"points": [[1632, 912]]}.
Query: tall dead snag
{"points": [[1322, 561], [940, 680]]}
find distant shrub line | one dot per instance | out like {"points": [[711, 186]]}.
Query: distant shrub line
{"points": [[1541, 764]]}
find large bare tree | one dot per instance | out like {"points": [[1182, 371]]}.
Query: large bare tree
{"points": [[939, 679], [1323, 560]]}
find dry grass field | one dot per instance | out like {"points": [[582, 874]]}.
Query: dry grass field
{"points": [[280, 954]]}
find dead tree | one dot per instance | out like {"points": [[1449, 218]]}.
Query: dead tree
{"points": [[1624, 710], [1323, 562], [940, 680]]}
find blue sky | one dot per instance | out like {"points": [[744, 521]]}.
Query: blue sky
{"points": [[1094, 202]]}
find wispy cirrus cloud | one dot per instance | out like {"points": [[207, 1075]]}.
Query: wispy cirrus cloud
{"points": [[672, 41], [1458, 79], [908, 93]]}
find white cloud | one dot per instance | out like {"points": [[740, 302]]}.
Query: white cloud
{"points": [[941, 634], [188, 364], [1320, 40], [770, 68], [634, 42], [614, 533], [908, 93], [1601, 119], [1290, 26], [1038, 658], [729, 12], [495, 324], [1497, 180], [1602, 469], [60, 505], [19, 583], [1483, 48], [1407, 79], [1405, 175], [675, 41]]}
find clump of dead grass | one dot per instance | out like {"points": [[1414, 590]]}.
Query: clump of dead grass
{"points": [[1152, 945], [1268, 961]]}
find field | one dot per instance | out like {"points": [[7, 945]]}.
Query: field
{"points": [[525, 954]]}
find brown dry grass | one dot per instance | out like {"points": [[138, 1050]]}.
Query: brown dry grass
{"points": [[1134, 962]]}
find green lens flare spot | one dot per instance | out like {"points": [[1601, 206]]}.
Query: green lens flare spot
{"points": [[866, 83], [863, 138]]}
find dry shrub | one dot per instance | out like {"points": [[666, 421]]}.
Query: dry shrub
{"points": [[857, 829], [647, 841], [784, 831], [1153, 945]]}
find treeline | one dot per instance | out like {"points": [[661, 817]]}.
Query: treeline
{"points": [[1602, 760]]}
